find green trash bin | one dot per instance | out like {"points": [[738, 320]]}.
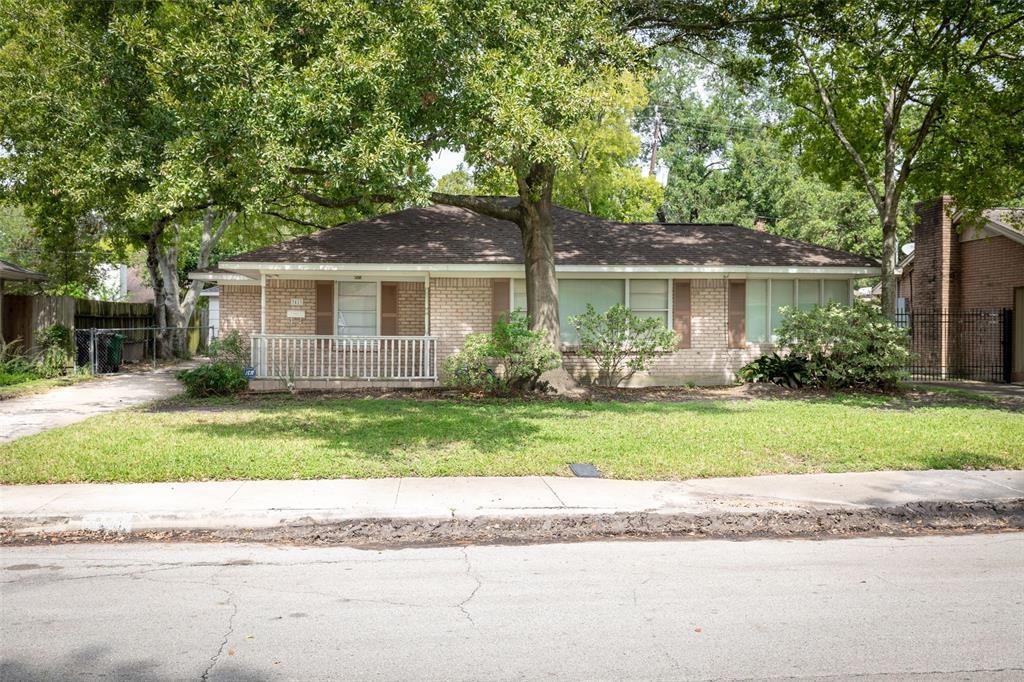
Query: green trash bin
{"points": [[109, 352], [116, 351]]}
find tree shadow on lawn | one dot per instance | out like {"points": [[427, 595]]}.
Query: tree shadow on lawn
{"points": [[375, 429]]}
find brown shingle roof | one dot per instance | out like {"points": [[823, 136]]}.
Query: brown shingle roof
{"points": [[448, 235]]}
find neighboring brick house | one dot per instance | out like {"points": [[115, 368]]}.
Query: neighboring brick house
{"points": [[387, 299], [961, 270]]}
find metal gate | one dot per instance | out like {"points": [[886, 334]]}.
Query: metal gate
{"points": [[966, 345]]}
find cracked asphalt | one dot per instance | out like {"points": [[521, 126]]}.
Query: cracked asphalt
{"points": [[918, 608]]}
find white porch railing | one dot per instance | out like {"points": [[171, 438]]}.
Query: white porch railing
{"points": [[293, 356]]}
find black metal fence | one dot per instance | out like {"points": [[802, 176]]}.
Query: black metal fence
{"points": [[972, 345]]}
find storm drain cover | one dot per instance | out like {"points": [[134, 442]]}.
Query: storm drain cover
{"points": [[584, 470]]}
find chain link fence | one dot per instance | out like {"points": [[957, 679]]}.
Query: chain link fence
{"points": [[113, 350]]}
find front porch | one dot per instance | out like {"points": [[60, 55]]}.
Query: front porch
{"points": [[333, 361]]}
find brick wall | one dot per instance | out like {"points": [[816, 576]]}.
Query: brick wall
{"points": [[936, 274], [280, 296], [992, 268], [411, 310], [459, 306], [239, 309], [708, 361]]}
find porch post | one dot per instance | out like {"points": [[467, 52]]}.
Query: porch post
{"points": [[263, 303], [426, 305]]}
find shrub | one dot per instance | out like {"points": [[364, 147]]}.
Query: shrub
{"points": [[213, 379], [788, 370], [471, 367], [56, 336], [510, 358], [846, 346], [620, 341], [230, 350]]}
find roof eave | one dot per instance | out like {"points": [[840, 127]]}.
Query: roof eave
{"points": [[251, 270]]}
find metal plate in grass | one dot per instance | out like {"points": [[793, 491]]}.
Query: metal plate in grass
{"points": [[584, 470]]}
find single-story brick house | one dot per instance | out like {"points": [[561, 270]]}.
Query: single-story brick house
{"points": [[385, 300]]}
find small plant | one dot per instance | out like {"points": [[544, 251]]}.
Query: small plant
{"points": [[213, 379], [620, 341], [13, 360], [784, 370], [511, 358]]}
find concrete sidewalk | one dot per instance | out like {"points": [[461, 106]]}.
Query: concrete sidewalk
{"points": [[231, 505], [20, 417]]}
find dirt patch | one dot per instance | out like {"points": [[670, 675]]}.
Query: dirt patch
{"points": [[902, 520]]}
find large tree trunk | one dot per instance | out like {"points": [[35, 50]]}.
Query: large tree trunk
{"points": [[536, 227], [179, 306], [163, 348], [889, 265]]}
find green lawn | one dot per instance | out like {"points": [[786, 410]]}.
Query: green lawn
{"points": [[16, 386], [285, 437]]}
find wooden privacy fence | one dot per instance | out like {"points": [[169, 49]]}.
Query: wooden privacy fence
{"points": [[110, 315], [24, 316]]}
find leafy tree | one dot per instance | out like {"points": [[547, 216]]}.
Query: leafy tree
{"points": [[729, 160], [524, 89], [899, 95], [600, 175]]}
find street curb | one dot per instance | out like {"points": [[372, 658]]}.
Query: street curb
{"points": [[922, 517]]}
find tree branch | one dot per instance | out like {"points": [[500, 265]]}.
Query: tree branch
{"points": [[488, 206], [347, 202], [833, 123]]}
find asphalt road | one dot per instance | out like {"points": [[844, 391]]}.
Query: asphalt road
{"points": [[920, 608]]}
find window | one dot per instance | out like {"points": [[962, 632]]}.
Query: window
{"points": [[838, 291], [575, 294], [649, 298], [781, 294], [767, 297], [357, 308], [808, 293], [757, 310]]}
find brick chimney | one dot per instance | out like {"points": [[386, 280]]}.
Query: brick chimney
{"points": [[936, 274]]}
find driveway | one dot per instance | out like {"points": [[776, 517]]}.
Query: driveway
{"points": [[20, 417]]}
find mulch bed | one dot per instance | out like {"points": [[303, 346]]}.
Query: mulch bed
{"points": [[906, 399]]}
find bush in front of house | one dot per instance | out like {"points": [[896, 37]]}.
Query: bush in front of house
{"points": [[621, 342], [510, 358], [213, 379], [845, 346], [224, 375], [230, 349]]}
